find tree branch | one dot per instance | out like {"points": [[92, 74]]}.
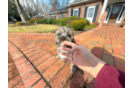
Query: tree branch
{"points": [[13, 2]]}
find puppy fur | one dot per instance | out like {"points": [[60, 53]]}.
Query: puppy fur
{"points": [[65, 34]]}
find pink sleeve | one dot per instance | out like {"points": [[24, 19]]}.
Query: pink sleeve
{"points": [[110, 77]]}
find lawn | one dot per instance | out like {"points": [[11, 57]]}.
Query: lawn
{"points": [[41, 28], [35, 28]]}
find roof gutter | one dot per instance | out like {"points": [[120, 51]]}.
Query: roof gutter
{"points": [[57, 12]]}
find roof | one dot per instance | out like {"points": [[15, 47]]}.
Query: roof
{"points": [[64, 9], [79, 2], [36, 16]]}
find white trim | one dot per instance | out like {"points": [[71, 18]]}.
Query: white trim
{"points": [[93, 13], [103, 8], [74, 10], [120, 14], [111, 7]]}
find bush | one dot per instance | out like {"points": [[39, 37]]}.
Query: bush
{"points": [[87, 21], [55, 21], [40, 21], [72, 18], [45, 20], [62, 21], [32, 20], [78, 24], [69, 23], [49, 21], [18, 23]]}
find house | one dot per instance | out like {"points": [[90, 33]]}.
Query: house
{"points": [[41, 16], [60, 13], [93, 10], [46, 15]]}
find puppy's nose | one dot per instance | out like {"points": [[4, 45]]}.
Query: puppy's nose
{"points": [[63, 38]]}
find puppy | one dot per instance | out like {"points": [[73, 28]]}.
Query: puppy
{"points": [[65, 34]]}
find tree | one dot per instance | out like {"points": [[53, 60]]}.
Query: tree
{"points": [[54, 4], [20, 10], [13, 12]]}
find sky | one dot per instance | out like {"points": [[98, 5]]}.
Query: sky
{"points": [[41, 0]]}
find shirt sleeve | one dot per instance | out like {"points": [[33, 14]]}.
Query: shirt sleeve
{"points": [[110, 77]]}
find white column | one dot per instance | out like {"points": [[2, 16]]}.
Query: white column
{"points": [[103, 8]]}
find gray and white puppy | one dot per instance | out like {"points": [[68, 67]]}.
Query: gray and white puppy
{"points": [[65, 34]]}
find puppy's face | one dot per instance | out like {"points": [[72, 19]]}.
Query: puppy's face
{"points": [[64, 34]]}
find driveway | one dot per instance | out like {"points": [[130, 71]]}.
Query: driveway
{"points": [[34, 55]]}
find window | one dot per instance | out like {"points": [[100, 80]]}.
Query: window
{"points": [[52, 16], [75, 12], [46, 17], [114, 13], [121, 13], [62, 15], [90, 12]]}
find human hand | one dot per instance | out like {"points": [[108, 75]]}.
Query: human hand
{"points": [[82, 57]]}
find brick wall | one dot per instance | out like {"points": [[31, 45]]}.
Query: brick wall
{"points": [[88, 4], [66, 14]]}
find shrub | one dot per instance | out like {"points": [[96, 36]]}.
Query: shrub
{"points": [[87, 21], [69, 23], [32, 20], [39, 21], [78, 24], [62, 21], [18, 23], [45, 20], [54, 21], [49, 21], [72, 18]]}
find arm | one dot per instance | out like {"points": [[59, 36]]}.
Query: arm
{"points": [[107, 76]]}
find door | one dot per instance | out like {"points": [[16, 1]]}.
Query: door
{"points": [[90, 13]]}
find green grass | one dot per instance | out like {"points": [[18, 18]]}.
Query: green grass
{"points": [[35, 28], [88, 27]]}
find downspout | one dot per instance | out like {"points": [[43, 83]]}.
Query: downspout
{"points": [[103, 8]]}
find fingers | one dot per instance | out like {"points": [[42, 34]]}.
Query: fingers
{"points": [[69, 43], [65, 49], [70, 61], [68, 55]]}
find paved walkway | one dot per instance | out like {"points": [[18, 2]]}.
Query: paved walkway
{"points": [[34, 55]]}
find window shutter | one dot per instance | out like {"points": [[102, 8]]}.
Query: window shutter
{"points": [[85, 13], [79, 11], [95, 13], [71, 12]]}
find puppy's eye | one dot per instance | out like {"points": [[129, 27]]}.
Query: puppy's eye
{"points": [[69, 35], [59, 34]]}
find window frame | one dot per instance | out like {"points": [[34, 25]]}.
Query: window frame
{"points": [[75, 10], [93, 11], [61, 15]]}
